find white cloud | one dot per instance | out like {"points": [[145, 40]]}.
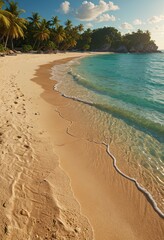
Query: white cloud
{"points": [[126, 26], [156, 19], [137, 22], [105, 18], [112, 7], [89, 25], [65, 7], [89, 11]]}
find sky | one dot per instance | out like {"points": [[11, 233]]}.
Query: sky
{"points": [[125, 15]]}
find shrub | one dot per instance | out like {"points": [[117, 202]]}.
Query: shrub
{"points": [[2, 48], [27, 48], [51, 46], [86, 47]]}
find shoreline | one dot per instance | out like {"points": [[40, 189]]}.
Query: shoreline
{"points": [[101, 193], [141, 188], [70, 172]]}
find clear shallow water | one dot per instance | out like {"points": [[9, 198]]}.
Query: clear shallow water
{"points": [[126, 93], [132, 87]]}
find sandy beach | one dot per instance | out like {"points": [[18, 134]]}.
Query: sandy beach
{"points": [[56, 184]]}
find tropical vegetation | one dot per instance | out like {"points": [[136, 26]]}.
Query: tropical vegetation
{"points": [[39, 34]]}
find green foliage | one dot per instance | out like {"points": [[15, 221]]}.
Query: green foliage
{"points": [[139, 41], [34, 19], [86, 47], [59, 35], [11, 25], [2, 48], [85, 40], [17, 26], [4, 18], [105, 38], [55, 22], [14, 9], [50, 46], [40, 33], [110, 39], [72, 35], [27, 48]]}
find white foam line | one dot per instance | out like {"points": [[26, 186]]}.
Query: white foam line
{"points": [[143, 190], [77, 99], [71, 97]]}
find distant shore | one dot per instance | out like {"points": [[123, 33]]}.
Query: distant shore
{"points": [[52, 182]]}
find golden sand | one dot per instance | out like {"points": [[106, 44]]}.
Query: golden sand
{"points": [[55, 185]]}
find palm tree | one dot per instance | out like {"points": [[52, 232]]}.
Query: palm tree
{"points": [[55, 21], [60, 35], [80, 27], [4, 17], [33, 26], [35, 19], [42, 33], [68, 24], [14, 9], [16, 29], [46, 23], [17, 24], [69, 43]]}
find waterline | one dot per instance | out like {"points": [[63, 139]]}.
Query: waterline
{"points": [[141, 160]]}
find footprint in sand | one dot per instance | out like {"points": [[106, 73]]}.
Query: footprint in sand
{"points": [[24, 213], [26, 146]]}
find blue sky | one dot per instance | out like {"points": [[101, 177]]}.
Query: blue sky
{"points": [[125, 15]]}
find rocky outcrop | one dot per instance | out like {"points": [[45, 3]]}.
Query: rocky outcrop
{"points": [[140, 48], [122, 49]]}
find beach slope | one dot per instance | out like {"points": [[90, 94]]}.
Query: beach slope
{"points": [[55, 183]]}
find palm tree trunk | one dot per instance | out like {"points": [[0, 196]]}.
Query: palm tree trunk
{"points": [[12, 44], [35, 43], [7, 38], [1, 39]]}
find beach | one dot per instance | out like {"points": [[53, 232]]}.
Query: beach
{"points": [[55, 183]]}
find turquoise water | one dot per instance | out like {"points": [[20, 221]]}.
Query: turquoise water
{"points": [[122, 98], [131, 85]]}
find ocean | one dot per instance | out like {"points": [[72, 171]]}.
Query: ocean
{"points": [[122, 98]]}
